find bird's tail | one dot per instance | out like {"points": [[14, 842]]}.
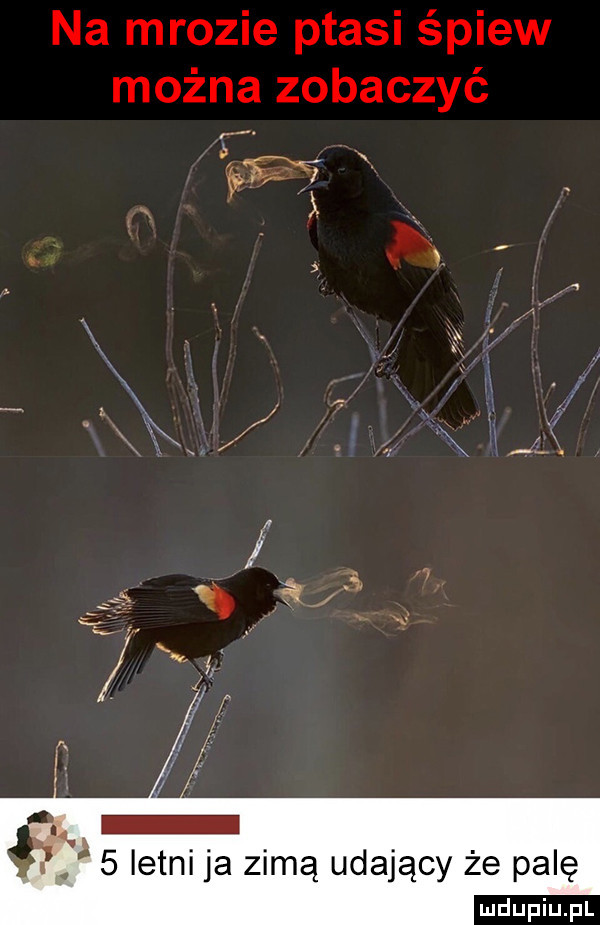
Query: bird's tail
{"points": [[136, 652], [422, 364]]}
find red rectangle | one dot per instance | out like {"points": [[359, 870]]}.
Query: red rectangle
{"points": [[171, 825]]}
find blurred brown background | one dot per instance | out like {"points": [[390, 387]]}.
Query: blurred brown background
{"points": [[474, 185], [500, 698]]}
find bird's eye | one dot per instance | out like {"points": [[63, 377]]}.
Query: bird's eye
{"points": [[342, 169]]}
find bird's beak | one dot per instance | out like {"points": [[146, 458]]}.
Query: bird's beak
{"points": [[319, 181], [278, 597]]}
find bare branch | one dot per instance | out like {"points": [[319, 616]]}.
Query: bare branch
{"points": [[259, 544], [505, 418], [372, 443], [194, 401], [332, 407], [215, 382], [148, 422], [278, 400], [103, 415], [353, 437], [233, 327], [545, 425], [569, 398], [201, 690], [487, 370], [12, 411], [61, 771], [587, 417], [208, 744], [88, 426], [478, 359], [175, 391]]}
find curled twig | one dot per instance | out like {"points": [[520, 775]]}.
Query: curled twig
{"points": [[332, 407]]}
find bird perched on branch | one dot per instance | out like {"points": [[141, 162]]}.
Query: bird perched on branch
{"points": [[376, 255], [187, 617]]}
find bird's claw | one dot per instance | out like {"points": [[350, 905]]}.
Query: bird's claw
{"points": [[205, 681], [216, 660], [386, 367]]}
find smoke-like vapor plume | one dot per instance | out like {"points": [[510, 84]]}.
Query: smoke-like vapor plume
{"points": [[256, 171], [422, 600]]}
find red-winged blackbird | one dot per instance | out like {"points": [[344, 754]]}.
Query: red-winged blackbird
{"points": [[187, 617], [376, 255]]}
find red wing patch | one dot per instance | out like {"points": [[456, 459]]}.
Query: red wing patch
{"points": [[216, 599], [406, 243], [225, 603], [311, 226]]}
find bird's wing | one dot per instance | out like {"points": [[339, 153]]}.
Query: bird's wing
{"points": [[311, 226], [169, 600], [412, 254]]}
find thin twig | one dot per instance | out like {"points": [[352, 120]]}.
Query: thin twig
{"points": [[504, 419], [545, 425], [569, 398], [175, 392], [259, 544], [372, 443], [215, 381], [495, 343], [278, 400], [353, 436], [233, 327], [103, 415], [487, 370], [12, 411], [585, 421], [201, 690], [208, 744], [89, 427], [382, 409], [148, 422], [61, 772], [194, 400], [549, 393]]}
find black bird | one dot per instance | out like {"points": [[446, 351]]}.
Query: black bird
{"points": [[187, 617], [376, 255]]}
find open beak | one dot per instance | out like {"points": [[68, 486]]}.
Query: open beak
{"points": [[282, 585], [321, 179]]}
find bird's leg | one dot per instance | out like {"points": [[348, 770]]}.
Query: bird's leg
{"points": [[204, 678], [388, 363], [216, 659]]}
